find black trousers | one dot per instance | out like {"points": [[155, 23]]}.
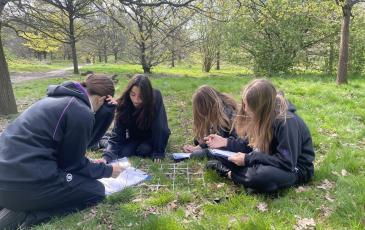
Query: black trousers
{"points": [[54, 198], [260, 178], [136, 148]]}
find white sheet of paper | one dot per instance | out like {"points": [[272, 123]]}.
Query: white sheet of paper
{"points": [[129, 177], [222, 153]]}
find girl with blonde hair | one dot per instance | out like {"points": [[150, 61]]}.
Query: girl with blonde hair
{"points": [[213, 113], [275, 150]]}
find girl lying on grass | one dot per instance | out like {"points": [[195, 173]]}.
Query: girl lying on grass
{"points": [[213, 113], [275, 150]]}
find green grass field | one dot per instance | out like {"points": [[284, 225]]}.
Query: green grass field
{"points": [[334, 199]]}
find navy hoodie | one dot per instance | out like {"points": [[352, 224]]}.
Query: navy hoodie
{"points": [[292, 147], [49, 139], [157, 135]]}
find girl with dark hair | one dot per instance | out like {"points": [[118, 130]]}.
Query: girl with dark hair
{"points": [[275, 150], [43, 168], [213, 113], [140, 126]]}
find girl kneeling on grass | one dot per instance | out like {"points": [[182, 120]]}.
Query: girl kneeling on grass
{"points": [[213, 113], [140, 127], [43, 168], [276, 150]]}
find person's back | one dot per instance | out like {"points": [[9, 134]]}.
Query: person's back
{"points": [[29, 145]]}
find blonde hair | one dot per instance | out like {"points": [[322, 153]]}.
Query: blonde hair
{"points": [[209, 111], [267, 106]]}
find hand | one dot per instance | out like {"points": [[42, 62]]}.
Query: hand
{"points": [[215, 141], [111, 100], [157, 160], [102, 160], [117, 169], [238, 159], [190, 148]]}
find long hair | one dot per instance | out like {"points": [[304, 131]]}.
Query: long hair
{"points": [[209, 113], [267, 106], [126, 110]]}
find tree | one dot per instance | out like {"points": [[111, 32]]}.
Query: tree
{"points": [[55, 17], [346, 6], [7, 99], [40, 43], [274, 33], [148, 28]]}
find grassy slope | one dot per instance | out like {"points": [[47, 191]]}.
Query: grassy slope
{"points": [[335, 116]]}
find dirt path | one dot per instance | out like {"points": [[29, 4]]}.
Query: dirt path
{"points": [[20, 77]]}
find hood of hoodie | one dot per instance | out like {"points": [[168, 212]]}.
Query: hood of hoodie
{"points": [[291, 107], [73, 89]]}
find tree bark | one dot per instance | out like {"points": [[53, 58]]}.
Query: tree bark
{"points": [[331, 59], [105, 54], [115, 56], [7, 99], [73, 45], [218, 67], [344, 46], [173, 59]]}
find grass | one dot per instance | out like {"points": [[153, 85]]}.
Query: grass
{"points": [[37, 66], [334, 114]]}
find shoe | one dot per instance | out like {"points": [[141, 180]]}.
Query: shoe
{"points": [[10, 219], [218, 167]]}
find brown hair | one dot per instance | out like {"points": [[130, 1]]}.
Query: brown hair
{"points": [[209, 111], [266, 105], [125, 108], [100, 85]]}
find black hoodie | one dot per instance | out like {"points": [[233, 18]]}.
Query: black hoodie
{"points": [[292, 147], [50, 139]]}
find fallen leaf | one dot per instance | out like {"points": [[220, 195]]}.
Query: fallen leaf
{"points": [[301, 189], [262, 207], [326, 185], [344, 172], [305, 224], [329, 197], [172, 205], [325, 211], [245, 218]]}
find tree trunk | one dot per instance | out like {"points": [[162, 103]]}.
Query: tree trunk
{"points": [[173, 59], [115, 56], [100, 57], [344, 46], [218, 67], [207, 65], [331, 59], [146, 67], [7, 99], [73, 45], [105, 54]]}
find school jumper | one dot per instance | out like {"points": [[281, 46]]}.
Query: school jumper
{"points": [[43, 168], [290, 163], [128, 140]]}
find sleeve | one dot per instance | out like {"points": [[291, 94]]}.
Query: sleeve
{"points": [[116, 139], [77, 132], [238, 145], [285, 155], [103, 118], [160, 128]]}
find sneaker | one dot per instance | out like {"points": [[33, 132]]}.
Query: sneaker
{"points": [[10, 219], [218, 167]]}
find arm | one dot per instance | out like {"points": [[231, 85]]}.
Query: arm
{"points": [[160, 128], [115, 143], [78, 125], [287, 149], [103, 118]]}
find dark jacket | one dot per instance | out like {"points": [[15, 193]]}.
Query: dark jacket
{"points": [[157, 135], [49, 139], [292, 147], [231, 114]]}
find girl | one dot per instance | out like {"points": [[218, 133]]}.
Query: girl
{"points": [[140, 124], [276, 150], [43, 168], [214, 113]]}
